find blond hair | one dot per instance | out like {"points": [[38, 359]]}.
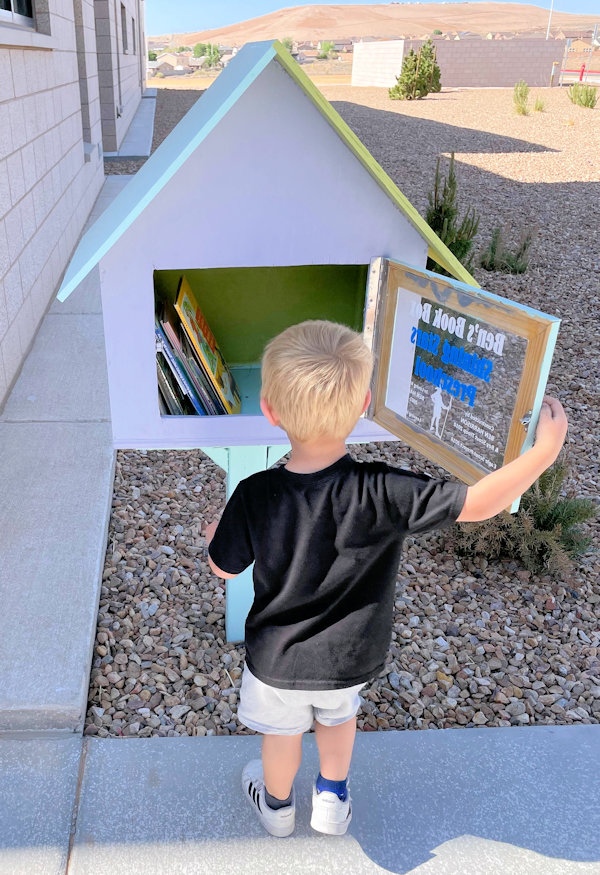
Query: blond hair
{"points": [[315, 377]]}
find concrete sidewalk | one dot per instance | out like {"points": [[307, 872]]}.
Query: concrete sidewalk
{"points": [[522, 800], [56, 470], [137, 142]]}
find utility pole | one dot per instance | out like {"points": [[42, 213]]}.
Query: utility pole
{"points": [[550, 18]]}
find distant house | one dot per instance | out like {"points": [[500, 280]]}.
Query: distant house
{"points": [[307, 55], [342, 45], [225, 59], [173, 62], [152, 68], [535, 34], [196, 63], [583, 34]]}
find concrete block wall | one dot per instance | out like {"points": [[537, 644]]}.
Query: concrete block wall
{"points": [[377, 64], [121, 65], [472, 63], [48, 183], [486, 63]]}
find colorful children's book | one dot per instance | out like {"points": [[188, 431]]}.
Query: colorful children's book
{"points": [[206, 347], [185, 384], [188, 359]]}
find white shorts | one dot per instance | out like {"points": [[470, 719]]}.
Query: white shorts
{"points": [[289, 712]]}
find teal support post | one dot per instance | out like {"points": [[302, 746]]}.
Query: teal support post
{"points": [[238, 463]]}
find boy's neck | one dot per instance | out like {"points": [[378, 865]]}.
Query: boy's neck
{"points": [[310, 456]]}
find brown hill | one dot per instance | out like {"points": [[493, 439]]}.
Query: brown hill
{"points": [[393, 20]]}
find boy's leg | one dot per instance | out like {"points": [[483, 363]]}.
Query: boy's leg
{"points": [[335, 745], [332, 809], [281, 758]]}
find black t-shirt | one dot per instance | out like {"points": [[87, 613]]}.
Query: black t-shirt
{"points": [[326, 548]]}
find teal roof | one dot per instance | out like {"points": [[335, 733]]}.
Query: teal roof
{"points": [[195, 126]]}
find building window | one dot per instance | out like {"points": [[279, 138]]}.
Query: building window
{"points": [[133, 46], [124, 27], [16, 11]]}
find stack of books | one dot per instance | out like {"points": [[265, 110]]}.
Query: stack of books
{"points": [[193, 376]]}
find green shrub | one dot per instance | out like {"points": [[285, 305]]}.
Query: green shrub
{"points": [[288, 43], [326, 48], [437, 31], [539, 105], [544, 535], [583, 95], [419, 76], [159, 75], [520, 97], [498, 257], [442, 217]]}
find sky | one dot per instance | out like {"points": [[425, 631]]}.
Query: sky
{"points": [[180, 16]]}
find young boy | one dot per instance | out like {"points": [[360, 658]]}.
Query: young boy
{"points": [[325, 534]]}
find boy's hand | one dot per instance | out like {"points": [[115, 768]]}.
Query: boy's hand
{"points": [[552, 426], [498, 490], [209, 534], [210, 530]]}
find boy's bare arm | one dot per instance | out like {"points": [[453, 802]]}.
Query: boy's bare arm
{"points": [[498, 490], [209, 535]]}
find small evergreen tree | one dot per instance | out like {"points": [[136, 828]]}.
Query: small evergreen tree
{"points": [[419, 76], [152, 56], [442, 217], [288, 42], [583, 95], [545, 534], [429, 68], [520, 97], [499, 257]]}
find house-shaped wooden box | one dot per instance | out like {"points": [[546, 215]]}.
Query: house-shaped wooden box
{"points": [[288, 217], [284, 211]]}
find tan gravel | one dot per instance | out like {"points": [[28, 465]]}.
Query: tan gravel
{"points": [[474, 643]]}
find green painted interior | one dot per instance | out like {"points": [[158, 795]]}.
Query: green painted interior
{"points": [[247, 306]]}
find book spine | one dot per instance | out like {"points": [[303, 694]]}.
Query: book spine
{"points": [[178, 372]]}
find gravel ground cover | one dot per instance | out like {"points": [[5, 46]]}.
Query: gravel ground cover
{"points": [[474, 643]]}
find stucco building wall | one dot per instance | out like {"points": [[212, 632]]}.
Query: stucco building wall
{"points": [[51, 167]]}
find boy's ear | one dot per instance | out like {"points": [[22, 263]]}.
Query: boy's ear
{"points": [[367, 401], [268, 412]]}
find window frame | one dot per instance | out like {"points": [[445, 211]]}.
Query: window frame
{"points": [[15, 18], [133, 39], [124, 29]]}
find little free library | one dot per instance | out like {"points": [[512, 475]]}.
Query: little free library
{"points": [[460, 373]]}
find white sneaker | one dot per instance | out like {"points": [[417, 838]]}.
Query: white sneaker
{"points": [[279, 823], [330, 815]]}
